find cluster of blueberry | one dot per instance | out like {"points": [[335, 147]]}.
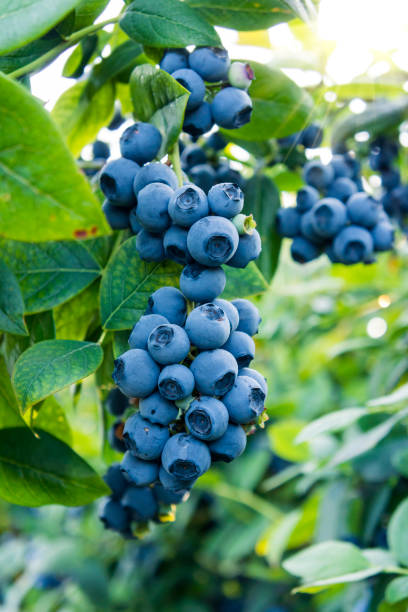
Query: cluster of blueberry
{"points": [[334, 215], [230, 107], [197, 398], [383, 154]]}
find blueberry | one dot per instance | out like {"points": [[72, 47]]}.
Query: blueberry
{"points": [[155, 172], [342, 188], [261, 380], [187, 205], [115, 437], [193, 155], [211, 63], [174, 59], [240, 75], [191, 81], [145, 440], [341, 167], [116, 402], [242, 347], [312, 136], [152, 207], [201, 284], [225, 200], [212, 241], [168, 343], [225, 174], [231, 108], [230, 310], [353, 165], [207, 418], [46, 582], [327, 217], [249, 317], [290, 141], [115, 480], [141, 331], [116, 121], [303, 250], [396, 201], [245, 401], [175, 484], [170, 303], [307, 228], [249, 249], [185, 457], [383, 236], [113, 515], [175, 245], [390, 178], [288, 222], [353, 245], [140, 503], [137, 471], [216, 141], [203, 176], [140, 142], [157, 409], [133, 222], [362, 209], [230, 446], [208, 326], [166, 497], [198, 121], [135, 373], [318, 175], [149, 246], [117, 179], [100, 150], [176, 382], [214, 372]]}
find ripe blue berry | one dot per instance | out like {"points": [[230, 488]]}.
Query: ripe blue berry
{"points": [[140, 142], [230, 446], [261, 380], [168, 343], [214, 372], [170, 303], [113, 515], [203, 176], [140, 503], [207, 418], [341, 168], [216, 142], [187, 205], [137, 471], [201, 284], [225, 174], [115, 480], [225, 200], [318, 175], [249, 317], [157, 409], [342, 188], [117, 179], [155, 172], [288, 222], [166, 497], [245, 401], [116, 216], [141, 331], [176, 382], [116, 402], [152, 207], [306, 198], [383, 236], [175, 484], [198, 121], [144, 439], [230, 310], [362, 209], [312, 136], [249, 249], [207, 326], [353, 244], [100, 150], [211, 63], [303, 250], [185, 457], [135, 373], [327, 217], [149, 246], [193, 155], [191, 81], [133, 222], [307, 228], [231, 108], [174, 59], [175, 245], [212, 241], [390, 179], [242, 347]]}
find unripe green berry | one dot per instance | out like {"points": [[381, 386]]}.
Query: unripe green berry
{"points": [[240, 75]]}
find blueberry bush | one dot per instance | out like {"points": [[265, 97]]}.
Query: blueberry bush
{"points": [[179, 204]]}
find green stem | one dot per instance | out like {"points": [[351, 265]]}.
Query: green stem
{"points": [[175, 160], [38, 63]]}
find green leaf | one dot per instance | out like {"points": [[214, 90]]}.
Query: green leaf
{"points": [[11, 303], [28, 53], [283, 435], [120, 342], [10, 415], [159, 99], [167, 23], [79, 117], [397, 533], [399, 461], [43, 195], [51, 417], [326, 560], [51, 365], [75, 65], [244, 283], [244, 14], [280, 106], [127, 284], [319, 585], [397, 590], [49, 273], [335, 421], [378, 117], [22, 21], [39, 471], [73, 318], [399, 395], [262, 200], [84, 15]]}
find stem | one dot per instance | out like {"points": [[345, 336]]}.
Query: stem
{"points": [[102, 337], [38, 63], [175, 161]]}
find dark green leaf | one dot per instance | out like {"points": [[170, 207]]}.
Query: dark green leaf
{"points": [[120, 343], [100, 248], [397, 533], [246, 282], [11, 303], [159, 99], [280, 106], [40, 326], [51, 417], [397, 590], [22, 21], [244, 14], [79, 58], [10, 415], [127, 284], [73, 318], [400, 461], [24, 55], [49, 273], [167, 23], [39, 471], [84, 15], [51, 365], [262, 200], [43, 195]]}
